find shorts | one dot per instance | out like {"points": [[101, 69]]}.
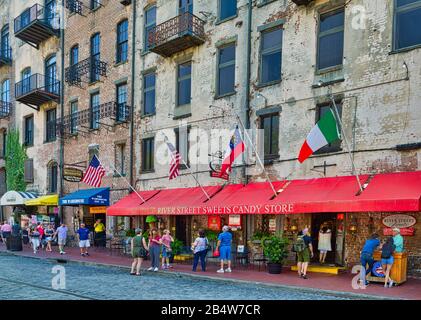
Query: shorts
{"points": [[388, 260], [323, 251], [225, 253], [61, 242], [84, 244], [166, 253], [48, 239], [304, 256]]}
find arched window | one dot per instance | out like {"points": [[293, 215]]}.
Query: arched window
{"points": [[5, 43], [52, 177], [51, 83], [74, 55], [5, 91], [122, 41], [95, 56], [26, 81]]}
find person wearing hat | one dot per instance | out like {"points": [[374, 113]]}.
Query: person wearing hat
{"points": [[397, 240], [224, 247], [139, 251]]}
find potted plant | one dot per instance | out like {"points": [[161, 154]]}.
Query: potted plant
{"points": [[176, 247], [275, 249], [257, 236], [212, 237]]}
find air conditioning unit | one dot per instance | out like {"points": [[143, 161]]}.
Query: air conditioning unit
{"points": [[302, 2], [126, 2]]}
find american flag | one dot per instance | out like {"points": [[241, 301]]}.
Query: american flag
{"points": [[93, 175], [175, 161]]}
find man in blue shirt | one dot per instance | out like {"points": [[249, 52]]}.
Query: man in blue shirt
{"points": [[367, 256], [224, 246], [84, 244]]}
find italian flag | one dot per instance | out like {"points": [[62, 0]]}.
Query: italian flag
{"points": [[324, 132]]}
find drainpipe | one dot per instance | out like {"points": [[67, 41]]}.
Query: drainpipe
{"points": [[61, 161], [131, 178]]}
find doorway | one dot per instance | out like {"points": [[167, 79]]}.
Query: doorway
{"points": [[182, 229], [330, 220]]}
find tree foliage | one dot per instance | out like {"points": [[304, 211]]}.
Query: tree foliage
{"points": [[15, 162]]}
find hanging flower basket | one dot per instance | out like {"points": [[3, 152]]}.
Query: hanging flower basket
{"points": [[150, 219]]}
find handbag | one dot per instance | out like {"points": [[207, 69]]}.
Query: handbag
{"points": [[216, 253]]}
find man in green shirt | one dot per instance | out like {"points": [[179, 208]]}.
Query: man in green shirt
{"points": [[397, 240]]}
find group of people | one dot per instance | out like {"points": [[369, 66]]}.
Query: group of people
{"points": [[388, 248], [40, 236], [141, 248]]}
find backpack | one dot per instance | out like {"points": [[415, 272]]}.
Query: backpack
{"points": [[387, 251], [299, 244]]}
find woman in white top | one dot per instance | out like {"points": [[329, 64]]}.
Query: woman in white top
{"points": [[325, 243]]}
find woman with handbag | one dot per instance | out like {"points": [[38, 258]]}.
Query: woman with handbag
{"points": [[139, 250], [200, 249]]}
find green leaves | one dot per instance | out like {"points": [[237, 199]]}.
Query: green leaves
{"points": [[15, 162], [275, 248]]}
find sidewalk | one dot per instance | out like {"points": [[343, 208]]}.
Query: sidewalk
{"points": [[339, 283]]}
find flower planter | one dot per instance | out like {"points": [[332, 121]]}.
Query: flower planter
{"points": [[274, 268]]}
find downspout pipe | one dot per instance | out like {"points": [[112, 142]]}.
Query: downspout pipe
{"points": [[61, 138], [248, 77], [132, 95]]}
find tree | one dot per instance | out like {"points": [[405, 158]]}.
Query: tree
{"points": [[15, 162]]}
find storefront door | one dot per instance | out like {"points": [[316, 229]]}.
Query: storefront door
{"points": [[182, 229], [319, 219]]}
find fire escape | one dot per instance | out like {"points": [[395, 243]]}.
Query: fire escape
{"points": [[37, 90]]}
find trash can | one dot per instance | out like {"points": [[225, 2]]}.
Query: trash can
{"points": [[14, 243]]}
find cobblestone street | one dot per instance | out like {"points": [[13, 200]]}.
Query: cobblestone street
{"points": [[26, 278]]}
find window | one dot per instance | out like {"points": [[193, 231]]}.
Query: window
{"points": [[52, 177], [95, 57], [182, 144], [122, 112], [226, 70], [321, 110], [5, 43], [149, 93], [51, 13], [331, 40], [227, 9], [95, 4], [5, 91], [29, 170], [74, 55], [185, 6], [29, 131], [50, 126], [270, 126], [73, 117], [95, 111], [51, 83], [120, 159], [407, 23], [271, 55], [148, 154], [26, 81], [150, 23], [122, 41], [3, 143], [184, 84]]}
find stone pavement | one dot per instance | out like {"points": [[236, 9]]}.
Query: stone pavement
{"points": [[338, 283]]}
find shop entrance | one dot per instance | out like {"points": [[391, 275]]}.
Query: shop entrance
{"points": [[182, 229], [330, 220]]}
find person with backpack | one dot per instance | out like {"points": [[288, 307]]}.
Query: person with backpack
{"points": [[139, 252], [200, 249], [304, 250], [367, 256], [387, 261]]}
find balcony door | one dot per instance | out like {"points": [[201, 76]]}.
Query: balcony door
{"points": [[185, 6], [5, 45], [51, 75], [95, 57], [26, 81], [51, 14]]}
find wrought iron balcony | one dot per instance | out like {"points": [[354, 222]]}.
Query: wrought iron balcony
{"points": [[5, 109], [73, 74], [37, 90], [5, 56], [74, 6], [302, 2], [91, 118], [177, 34], [35, 25]]}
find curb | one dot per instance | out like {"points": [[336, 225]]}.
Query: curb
{"points": [[181, 274]]}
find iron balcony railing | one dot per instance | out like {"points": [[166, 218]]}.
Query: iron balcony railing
{"points": [[36, 13], [179, 26], [5, 55], [73, 74], [37, 82], [69, 124], [5, 109], [74, 6]]}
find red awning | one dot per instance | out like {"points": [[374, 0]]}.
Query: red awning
{"points": [[129, 205], [242, 199], [392, 192], [317, 195]]}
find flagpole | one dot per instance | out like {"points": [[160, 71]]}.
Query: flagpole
{"points": [[190, 171], [354, 171], [257, 155], [124, 178]]}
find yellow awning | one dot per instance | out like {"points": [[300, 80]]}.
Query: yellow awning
{"points": [[50, 200]]}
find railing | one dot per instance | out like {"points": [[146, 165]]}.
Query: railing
{"points": [[74, 6], [119, 112], [37, 82], [177, 26], [74, 73], [5, 109], [6, 54], [36, 12]]}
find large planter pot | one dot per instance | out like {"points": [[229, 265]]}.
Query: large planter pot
{"points": [[274, 268]]}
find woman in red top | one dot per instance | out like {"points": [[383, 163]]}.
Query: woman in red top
{"points": [[155, 243]]}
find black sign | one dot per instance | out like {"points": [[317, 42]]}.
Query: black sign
{"points": [[72, 174]]}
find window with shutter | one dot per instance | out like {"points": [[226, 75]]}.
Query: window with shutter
{"points": [[29, 171]]}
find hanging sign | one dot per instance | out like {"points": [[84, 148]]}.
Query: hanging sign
{"points": [[95, 210], [216, 174], [72, 174], [234, 220], [214, 223], [403, 231], [272, 225], [399, 221]]}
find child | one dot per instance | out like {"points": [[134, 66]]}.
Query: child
{"points": [[166, 248]]}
